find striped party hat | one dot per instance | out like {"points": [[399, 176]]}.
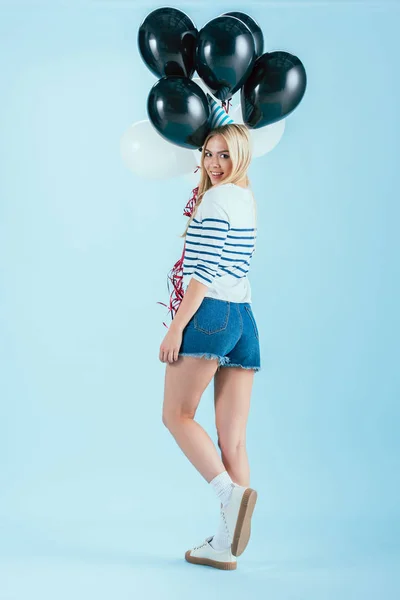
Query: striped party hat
{"points": [[218, 116]]}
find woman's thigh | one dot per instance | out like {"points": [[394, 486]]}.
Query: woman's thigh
{"points": [[232, 393], [185, 382]]}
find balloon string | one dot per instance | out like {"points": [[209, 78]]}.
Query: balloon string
{"points": [[175, 276], [225, 106]]}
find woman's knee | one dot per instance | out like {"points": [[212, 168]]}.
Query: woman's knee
{"points": [[176, 416], [169, 417], [231, 444], [185, 383]]}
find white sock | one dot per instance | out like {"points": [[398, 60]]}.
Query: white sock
{"points": [[223, 486]]}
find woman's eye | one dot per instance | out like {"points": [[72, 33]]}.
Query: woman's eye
{"points": [[222, 155]]}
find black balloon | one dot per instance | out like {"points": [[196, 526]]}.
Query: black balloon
{"points": [[179, 110], [167, 42], [274, 89], [225, 55], [254, 28]]}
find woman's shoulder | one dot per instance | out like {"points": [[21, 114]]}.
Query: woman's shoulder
{"points": [[216, 200], [217, 193], [225, 194], [223, 191], [228, 188]]}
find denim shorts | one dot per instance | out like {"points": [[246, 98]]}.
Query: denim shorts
{"points": [[223, 330]]}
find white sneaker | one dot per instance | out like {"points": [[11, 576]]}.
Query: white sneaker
{"points": [[238, 515], [206, 555]]}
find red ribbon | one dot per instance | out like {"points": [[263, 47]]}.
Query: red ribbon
{"points": [[175, 276], [225, 106]]}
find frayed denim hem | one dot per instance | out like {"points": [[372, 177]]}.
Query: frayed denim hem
{"points": [[256, 369], [222, 360]]}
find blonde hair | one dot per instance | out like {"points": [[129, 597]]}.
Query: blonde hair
{"points": [[238, 141]]}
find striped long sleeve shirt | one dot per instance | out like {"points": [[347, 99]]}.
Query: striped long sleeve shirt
{"points": [[220, 243]]}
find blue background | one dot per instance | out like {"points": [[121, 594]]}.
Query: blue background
{"points": [[96, 499]]}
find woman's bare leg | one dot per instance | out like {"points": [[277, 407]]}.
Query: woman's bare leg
{"points": [[232, 393], [185, 382]]}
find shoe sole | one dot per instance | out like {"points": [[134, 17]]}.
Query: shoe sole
{"points": [[208, 562], [243, 525]]}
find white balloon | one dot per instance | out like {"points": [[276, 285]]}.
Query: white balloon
{"points": [[193, 178], [236, 114], [263, 139], [197, 156], [149, 155], [266, 138]]}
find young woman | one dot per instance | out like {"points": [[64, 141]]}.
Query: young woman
{"points": [[214, 335]]}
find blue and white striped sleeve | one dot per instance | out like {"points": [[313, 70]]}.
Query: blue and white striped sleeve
{"points": [[210, 237]]}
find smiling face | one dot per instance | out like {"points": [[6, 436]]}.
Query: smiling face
{"points": [[217, 161]]}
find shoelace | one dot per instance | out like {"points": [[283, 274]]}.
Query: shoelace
{"points": [[226, 524], [226, 527], [201, 546]]}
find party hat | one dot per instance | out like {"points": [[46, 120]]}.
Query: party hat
{"points": [[218, 116]]}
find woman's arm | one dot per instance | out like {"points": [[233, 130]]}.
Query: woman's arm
{"points": [[210, 239], [191, 301]]}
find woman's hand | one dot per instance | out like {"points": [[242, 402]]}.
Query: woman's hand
{"points": [[172, 342], [170, 345]]}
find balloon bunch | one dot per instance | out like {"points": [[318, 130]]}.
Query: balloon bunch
{"points": [[228, 55]]}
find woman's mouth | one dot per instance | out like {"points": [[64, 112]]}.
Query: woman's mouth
{"points": [[216, 174]]}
